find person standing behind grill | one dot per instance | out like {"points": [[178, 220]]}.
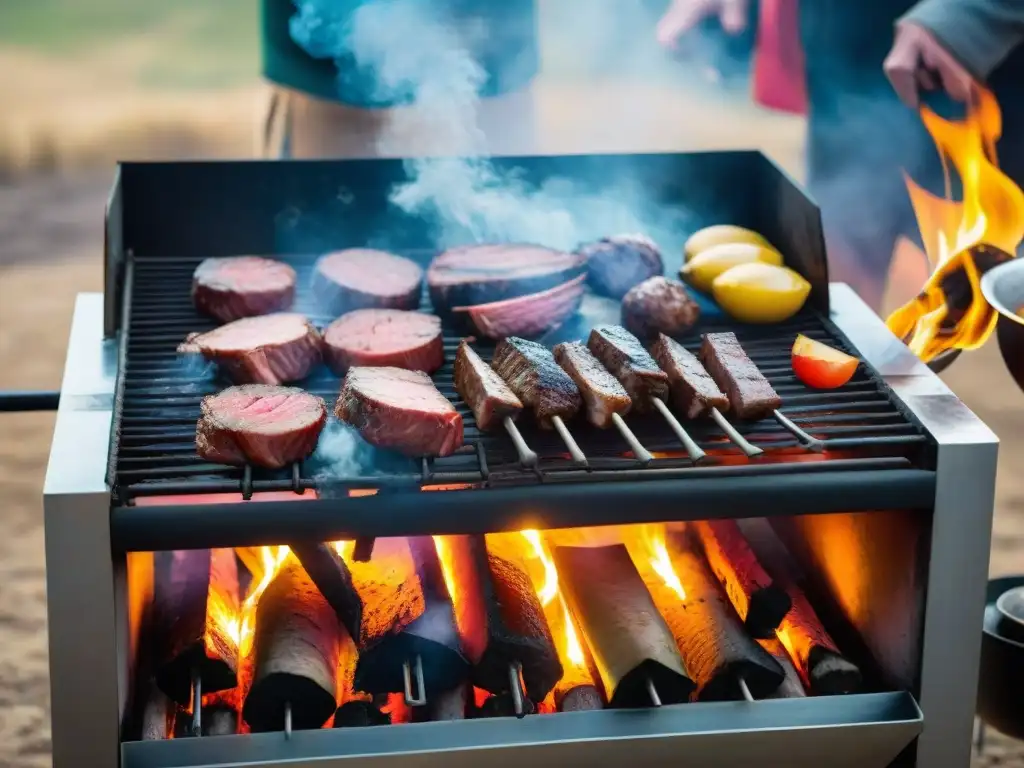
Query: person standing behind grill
{"points": [[335, 103]]}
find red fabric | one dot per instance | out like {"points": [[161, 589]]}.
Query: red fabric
{"points": [[779, 77]]}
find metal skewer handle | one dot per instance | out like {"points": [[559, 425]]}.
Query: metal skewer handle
{"points": [[515, 686], [812, 444], [744, 689], [642, 454], [527, 457], [197, 704], [652, 691], [692, 449], [741, 442], [578, 456], [409, 670]]}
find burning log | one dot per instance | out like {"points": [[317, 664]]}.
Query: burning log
{"points": [[724, 660], [633, 648], [760, 603], [325, 566], [197, 601], [580, 698], [360, 714], [791, 687], [158, 715], [297, 646]]}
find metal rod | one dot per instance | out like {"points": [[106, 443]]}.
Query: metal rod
{"points": [[515, 685], [22, 402], [574, 450], [287, 719], [812, 444], [744, 690], [652, 691], [414, 699], [742, 443], [197, 703], [692, 449], [642, 454], [526, 456]]}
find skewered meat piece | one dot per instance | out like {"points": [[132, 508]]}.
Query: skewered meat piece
{"points": [[625, 357], [483, 390], [659, 305], [361, 278], [616, 264], [531, 372], [694, 392], [602, 393], [242, 286], [384, 337], [750, 394]]}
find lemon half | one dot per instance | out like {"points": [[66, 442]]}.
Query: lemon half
{"points": [[720, 234], [702, 269], [760, 293]]}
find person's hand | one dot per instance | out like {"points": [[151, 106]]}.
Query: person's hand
{"points": [[919, 62], [684, 15]]}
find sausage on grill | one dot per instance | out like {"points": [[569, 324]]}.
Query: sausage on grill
{"points": [[750, 394]]}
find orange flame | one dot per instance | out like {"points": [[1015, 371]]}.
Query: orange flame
{"points": [[660, 562], [273, 559], [571, 647], [990, 213]]}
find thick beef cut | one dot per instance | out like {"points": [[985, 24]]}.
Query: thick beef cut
{"points": [[625, 357], [483, 390], [602, 393], [400, 410], [481, 274], [694, 392], [242, 286], [750, 394], [384, 337], [259, 424], [360, 278], [271, 349], [616, 264], [659, 305], [531, 372], [531, 315]]}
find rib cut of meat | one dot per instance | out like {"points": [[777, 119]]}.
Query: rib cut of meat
{"points": [[360, 278], [259, 424], [625, 357], [531, 372], [602, 393], [659, 305], [483, 390], [384, 337], [242, 286], [750, 394], [616, 264], [481, 274], [400, 410], [271, 349], [530, 315], [694, 392]]}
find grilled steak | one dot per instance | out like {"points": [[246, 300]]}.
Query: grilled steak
{"points": [[271, 349], [481, 274], [625, 357], [659, 305], [531, 372], [750, 394], [384, 337], [616, 264], [602, 393], [242, 286], [483, 389], [530, 315], [694, 392], [259, 424], [400, 410], [361, 278]]}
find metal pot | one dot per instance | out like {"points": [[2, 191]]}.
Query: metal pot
{"points": [[1003, 289], [1001, 676]]}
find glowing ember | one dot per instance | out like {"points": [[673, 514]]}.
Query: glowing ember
{"points": [[660, 561], [444, 556], [344, 549]]}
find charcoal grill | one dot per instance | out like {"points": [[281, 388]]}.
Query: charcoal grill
{"points": [[907, 472]]}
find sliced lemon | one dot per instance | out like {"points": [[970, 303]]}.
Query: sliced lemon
{"points": [[719, 234], [760, 293], [702, 269]]}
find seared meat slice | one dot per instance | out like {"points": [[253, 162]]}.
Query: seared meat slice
{"points": [[602, 393], [383, 337], [694, 392], [750, 394], [361, 278], [483, 390], [242, 286], [531, 372], [625, 357]]}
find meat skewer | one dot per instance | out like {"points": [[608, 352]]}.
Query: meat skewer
{"points": [[532, 374], [694, 391], [490, 399], [647, 385], [605, 398], [750, 394]]}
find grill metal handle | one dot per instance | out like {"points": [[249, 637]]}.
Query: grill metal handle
{"points": [[22, 402]]}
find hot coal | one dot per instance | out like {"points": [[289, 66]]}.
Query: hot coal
{"points": [[483, 390], [360, 714], [158, 716], [616, 264], [332, 577], [297, 645], [659, 305], [532, 374], [242, 286], [626, 359], [264, 425], [194, 591], [602, 393], [361, 278], [446, 705], [628, 638], [750, 394], [580, 699], [694, 392], [481, 274], [271, 349], [529, 316], [503, 705], [384, 337], [792, 687], [399, 410]]}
